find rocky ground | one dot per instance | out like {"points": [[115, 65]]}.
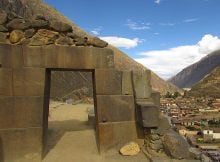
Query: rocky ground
{"points": [[71, 139]]}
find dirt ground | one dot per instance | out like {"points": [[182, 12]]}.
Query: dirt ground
{"points": [[71, 139]]}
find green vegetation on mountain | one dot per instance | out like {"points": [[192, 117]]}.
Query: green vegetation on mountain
{"points": [[208, 86]]}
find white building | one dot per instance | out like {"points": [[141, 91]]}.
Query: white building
{"points": [[215, 133]]}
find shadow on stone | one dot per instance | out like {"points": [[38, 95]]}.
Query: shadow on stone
{"points": [[1, 151]]}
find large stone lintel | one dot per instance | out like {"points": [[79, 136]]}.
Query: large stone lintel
{"points": [[54, 56], [115, 108], [21, 145]]}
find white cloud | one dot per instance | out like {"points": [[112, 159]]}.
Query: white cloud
{"points": [[135, 26], [122, 42], [157, 1], [167, 63], [190, 20], [97, 31], [167, 24]]}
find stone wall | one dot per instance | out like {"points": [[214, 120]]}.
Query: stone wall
{"points": [[38, 31], [29, 51]]}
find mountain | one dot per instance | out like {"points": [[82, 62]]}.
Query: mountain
{"points": [[208, 86], [195, 72], [62, 83]]}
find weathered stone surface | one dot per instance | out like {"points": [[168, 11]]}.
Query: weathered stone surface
{"points": [[3, 17], [154, 137], [110, 84], [176, 146], [11, 56], [156, 98], [157, 145], [65, 57], [74, 35], [130, 149], [16, 36], [142, 86], [80, 41], [3, 28], [12, 15], [21, 145], [127, 88], [39, 23], [43, 37], [112, 135], [29, 81], [147, 115], [195, 153], [29, 33], [115, 108], [60, 26], [18, 24], [64, 41], [3, 37], [21, 112], [6, 82], [96, 42]]}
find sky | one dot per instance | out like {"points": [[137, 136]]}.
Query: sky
{"points": [[163, 35]]}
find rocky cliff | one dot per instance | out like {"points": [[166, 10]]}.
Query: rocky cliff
{"points": [[195, 72], [35, 9]]}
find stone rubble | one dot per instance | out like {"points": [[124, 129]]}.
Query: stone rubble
{"points": [[130, 149], [39, 31]]}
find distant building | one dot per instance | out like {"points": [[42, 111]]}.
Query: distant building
{"points": [[210, 134]]}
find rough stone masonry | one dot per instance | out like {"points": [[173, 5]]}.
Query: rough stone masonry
{"points": [[125, 104]]}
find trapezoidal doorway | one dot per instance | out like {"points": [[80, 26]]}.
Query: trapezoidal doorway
{"points": [[69, 114]]}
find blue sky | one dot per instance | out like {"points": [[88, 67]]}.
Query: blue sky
{"points": [[163, 35]]}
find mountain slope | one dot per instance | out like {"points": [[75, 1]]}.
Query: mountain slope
{"points": [[195, 72], [29, 8], [208, 86]]}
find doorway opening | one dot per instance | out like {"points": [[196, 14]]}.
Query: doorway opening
{"points": [[69, 112]]}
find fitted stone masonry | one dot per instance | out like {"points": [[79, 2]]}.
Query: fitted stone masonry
{"points": [[24, 97], [29, 50]]}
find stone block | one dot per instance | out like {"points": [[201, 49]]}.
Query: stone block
{"points": [[115, 108], [127, 88], [6, 82], [115, 135], [142, 85], [54, 56], [21, 145], [88, 58], [148, 115], [156, 98], [11, 56], [34, 56], [29, 81], [108, 82], [21, 112]]}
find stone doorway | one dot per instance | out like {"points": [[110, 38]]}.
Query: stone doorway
{"points": [[23, 75], [69, 112]]}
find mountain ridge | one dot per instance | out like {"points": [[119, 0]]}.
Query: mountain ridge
{"points": [[195, 72], [208, 86]]}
